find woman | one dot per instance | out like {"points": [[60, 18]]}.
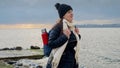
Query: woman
{"points": [[58, 36]]}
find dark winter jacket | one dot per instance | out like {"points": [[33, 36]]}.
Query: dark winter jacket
{"points": [[57, 39]]}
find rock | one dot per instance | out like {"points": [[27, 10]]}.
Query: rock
{"points": [[35, 66], [5, 49], [35, 47], [11, 48], [14, 48], [39, 67], [19, 64], [11, 62], [27, 63], [5, 65], [18, 48]]}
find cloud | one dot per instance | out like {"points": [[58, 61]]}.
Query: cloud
{"points": [[13, 11]]}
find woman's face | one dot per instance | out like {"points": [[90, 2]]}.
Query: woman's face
{"points": [[69, 16]]}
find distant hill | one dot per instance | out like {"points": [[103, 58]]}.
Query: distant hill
{"points": [[98, 26]]}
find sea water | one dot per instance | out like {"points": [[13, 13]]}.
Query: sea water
{"points": [[99, 47], [20, 37]]}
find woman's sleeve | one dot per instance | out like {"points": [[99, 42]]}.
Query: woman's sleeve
{"points": [[55, 39]]}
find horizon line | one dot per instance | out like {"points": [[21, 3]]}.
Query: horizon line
{"points": [[20, 26]]}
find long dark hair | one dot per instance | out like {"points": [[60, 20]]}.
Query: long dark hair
{"points": [[60, 25]]}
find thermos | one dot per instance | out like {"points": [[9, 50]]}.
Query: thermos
{"points": [[46, 48], [44, 36]]}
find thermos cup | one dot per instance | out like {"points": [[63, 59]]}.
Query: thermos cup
{"points": [[44, 36], [46, 48]]}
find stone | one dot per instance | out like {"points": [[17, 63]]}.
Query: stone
{"points": [[35, 47], [18, 48]]}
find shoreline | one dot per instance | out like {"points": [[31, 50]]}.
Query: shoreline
{"points": [[9, 61]]}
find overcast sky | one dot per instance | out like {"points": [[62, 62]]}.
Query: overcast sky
{"points": [[43, 11]]}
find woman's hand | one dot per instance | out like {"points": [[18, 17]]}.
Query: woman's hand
{"points": [[77, 30], [67, 32]]}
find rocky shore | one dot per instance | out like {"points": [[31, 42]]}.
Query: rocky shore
{"points": [[3, 64], [17, 57], [23, 63]]}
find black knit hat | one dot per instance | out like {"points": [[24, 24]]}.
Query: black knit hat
{"points": [[62, 9]]}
